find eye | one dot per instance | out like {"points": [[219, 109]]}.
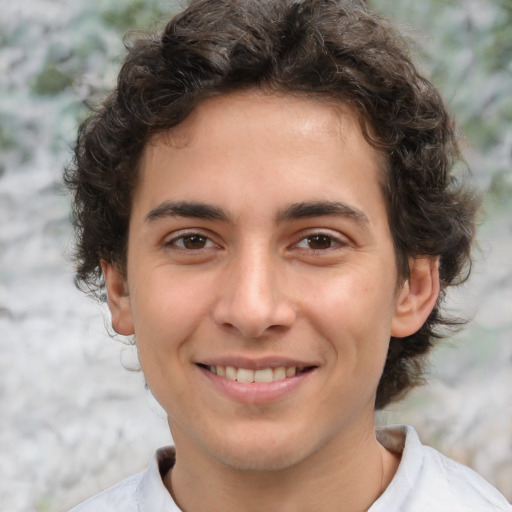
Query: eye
{"points": [[319, 242], [191, 242]]}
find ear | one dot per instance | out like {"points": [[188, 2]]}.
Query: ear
{"points": [[118, 298], [417, 297]]}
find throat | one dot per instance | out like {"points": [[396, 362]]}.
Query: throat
{"points": [[300, 488]]}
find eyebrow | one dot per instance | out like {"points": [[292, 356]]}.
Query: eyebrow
{"points": [[319, 209], [293, 211], [187, 209]]}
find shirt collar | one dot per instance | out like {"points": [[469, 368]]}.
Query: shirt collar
{"points": [[152, 495]]}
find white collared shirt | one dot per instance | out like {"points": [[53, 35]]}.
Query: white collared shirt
{"points": [[426, 481]]}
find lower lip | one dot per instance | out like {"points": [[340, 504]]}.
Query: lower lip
{"points": [[256, 392]]}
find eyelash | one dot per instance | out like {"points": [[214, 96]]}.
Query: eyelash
{"points": [[334, 242], [180, 241], [189, 236]]}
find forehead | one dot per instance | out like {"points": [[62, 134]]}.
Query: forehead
{"points": [[252, 141], [320, 115]]}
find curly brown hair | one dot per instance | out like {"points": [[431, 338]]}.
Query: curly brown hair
{"points": [[332, 49]]}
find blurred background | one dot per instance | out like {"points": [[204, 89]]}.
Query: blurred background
{"points": [[73, 419]]}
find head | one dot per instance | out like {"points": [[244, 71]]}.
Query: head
{"points": [[333, 52]]}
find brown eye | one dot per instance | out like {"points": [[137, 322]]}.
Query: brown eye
{"points": [[194, 242], [319, 242]]}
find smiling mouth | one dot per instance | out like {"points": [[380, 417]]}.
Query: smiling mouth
{"points": [[247, 375]]}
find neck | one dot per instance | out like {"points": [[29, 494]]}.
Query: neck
{"points": [[353, 471]]}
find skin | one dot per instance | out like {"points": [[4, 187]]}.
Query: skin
{"points": [[288, 261]]}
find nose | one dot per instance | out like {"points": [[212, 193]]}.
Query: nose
{"points": [[252, 299]]}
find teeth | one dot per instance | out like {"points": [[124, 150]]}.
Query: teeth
{"points": [[263, 375], [247, 376], [231, 373], [290, 372], [244, 375], [279, 373]]}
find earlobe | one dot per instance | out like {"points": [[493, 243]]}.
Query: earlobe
{"points": [[118, 298], [417, 297]]}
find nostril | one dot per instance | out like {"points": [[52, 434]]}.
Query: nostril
{"points": [[252, 314]]}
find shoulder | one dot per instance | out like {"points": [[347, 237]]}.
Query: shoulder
{"points": [[143, 492], [459, 485], [120, 497], [426, 480]]}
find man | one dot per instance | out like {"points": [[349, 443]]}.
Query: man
{"points": [[266, 198]]}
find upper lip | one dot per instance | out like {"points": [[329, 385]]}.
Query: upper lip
{"points": [[256, 364]]}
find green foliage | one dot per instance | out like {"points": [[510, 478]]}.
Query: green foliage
{"points": [[500, 189], [465, 47], [498, 54], [54, 68], [7, 141], [135, 14], [51, 80]]}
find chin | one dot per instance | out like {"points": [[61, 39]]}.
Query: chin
{"points": [[260, 460], [262, 453]]}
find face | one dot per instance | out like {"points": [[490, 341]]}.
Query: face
{"points": [[261, 282]]}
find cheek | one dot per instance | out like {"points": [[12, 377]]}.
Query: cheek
{"points": [[354, 315], [164, 312], [165, 317], [169, 306]]}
